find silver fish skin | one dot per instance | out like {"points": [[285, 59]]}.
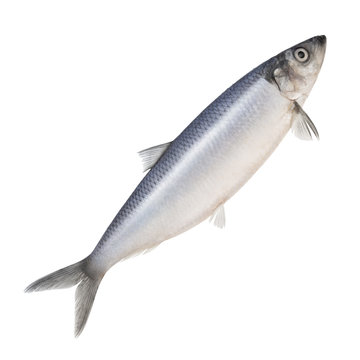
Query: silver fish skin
{"points": [[193, 176]]}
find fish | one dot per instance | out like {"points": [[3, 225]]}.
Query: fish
{"points": [[190, 178]]}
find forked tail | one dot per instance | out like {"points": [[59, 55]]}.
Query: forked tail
{"points": [[69, 276]]}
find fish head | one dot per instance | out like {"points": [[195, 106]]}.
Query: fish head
{"points": [[296, 69]]}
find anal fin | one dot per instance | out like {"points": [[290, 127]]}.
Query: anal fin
{"points": [[218, 217]]}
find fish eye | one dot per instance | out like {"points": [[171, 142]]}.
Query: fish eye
{"points": [[301, 54]]}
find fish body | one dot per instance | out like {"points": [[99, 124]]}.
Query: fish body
{"points": [[192, 177], [201, 169]]}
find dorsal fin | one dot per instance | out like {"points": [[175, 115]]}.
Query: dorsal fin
{"points": [[151, 155]]}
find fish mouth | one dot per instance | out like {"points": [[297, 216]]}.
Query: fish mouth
{"points": [[321, 39], [321, 46], [318, 41], [318, 47]]}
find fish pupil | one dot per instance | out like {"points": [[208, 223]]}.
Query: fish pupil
{"points": [[301, 54]]}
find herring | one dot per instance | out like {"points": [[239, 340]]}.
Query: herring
{"points": [[192, 177]]}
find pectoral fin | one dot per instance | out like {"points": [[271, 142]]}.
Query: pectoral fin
{"points": [[151, 155], [218, 217], [302, 125]]}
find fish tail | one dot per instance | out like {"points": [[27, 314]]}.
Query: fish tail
{"points": [[69, 276]]}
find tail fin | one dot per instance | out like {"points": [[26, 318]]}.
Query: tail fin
{"points": [[67, 277]]}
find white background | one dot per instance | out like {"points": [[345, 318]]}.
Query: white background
{"points": [[84, 86]]}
